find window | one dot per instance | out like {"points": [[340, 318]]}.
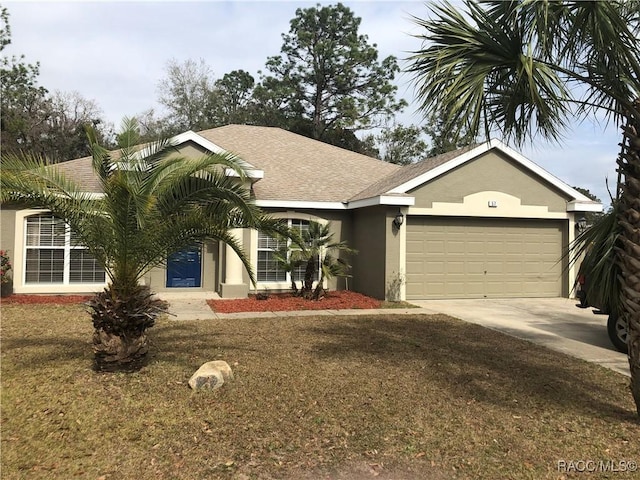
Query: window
{"points": [[54, 256], [268, 268]]}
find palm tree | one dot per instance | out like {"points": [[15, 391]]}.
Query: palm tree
{"points": [[155, 202], [528, 67], [320, 256]]}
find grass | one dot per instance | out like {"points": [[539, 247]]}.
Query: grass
{"points": [[392, 397]]}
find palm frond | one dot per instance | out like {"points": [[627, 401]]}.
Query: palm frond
{"points": [[596, 249]]}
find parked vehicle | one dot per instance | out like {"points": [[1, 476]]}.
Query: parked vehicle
{"points": [[617, 330], [616, 326], [597, 285]]}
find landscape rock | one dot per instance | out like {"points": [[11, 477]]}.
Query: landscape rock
{"points": [[211, 375]]}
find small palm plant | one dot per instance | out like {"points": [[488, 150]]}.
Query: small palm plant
{"points": [[320, 257], [154, 202]]}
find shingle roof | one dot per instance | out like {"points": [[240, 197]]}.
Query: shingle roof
{"points": [[81, 171], [298, 168]]}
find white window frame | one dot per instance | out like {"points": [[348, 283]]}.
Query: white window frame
{"points": [[19, 262], [282, 284]]}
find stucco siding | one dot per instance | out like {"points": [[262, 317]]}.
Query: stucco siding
{"points": [[369, 238], [7, 229], [490, 172], [191, 150]]}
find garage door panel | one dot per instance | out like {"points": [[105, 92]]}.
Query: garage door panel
{"points": [[453, 268], [472, 258]]}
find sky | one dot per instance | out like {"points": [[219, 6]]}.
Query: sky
{"points": [[116, 52]]}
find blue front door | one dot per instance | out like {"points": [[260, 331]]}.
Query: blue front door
{"points": [[184, 268]]}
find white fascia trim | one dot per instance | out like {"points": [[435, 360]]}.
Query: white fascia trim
{"points": [[485, 147], [298, 204], [401, 201], [191, 136], [93, 195], [577, 206], [250, 172]]}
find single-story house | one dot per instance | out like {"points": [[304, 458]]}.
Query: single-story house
{"points": [[482, 221]]}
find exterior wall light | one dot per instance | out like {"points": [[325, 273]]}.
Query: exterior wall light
{"points": [[398, 220], [581, 224]]}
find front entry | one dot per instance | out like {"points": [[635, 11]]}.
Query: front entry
{"points": [[184, 268]]}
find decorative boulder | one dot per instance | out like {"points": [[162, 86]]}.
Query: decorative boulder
{"points": [[211, 375]]}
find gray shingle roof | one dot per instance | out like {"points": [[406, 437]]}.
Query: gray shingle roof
{"points": [[81, 171], [298, 168]]}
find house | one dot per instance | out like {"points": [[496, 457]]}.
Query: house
{"points": [[482, 221]]}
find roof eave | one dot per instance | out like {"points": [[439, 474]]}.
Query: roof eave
{"points": [[392, 200], [580, 206]]}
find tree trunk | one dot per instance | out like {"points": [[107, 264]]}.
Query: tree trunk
{"points": [[121, 318], [629, 252], [309, 274], [119, 353]]}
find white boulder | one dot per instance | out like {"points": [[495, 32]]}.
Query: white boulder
{"points": [[211, 375]]}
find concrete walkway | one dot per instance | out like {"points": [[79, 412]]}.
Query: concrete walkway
{"points": [[555, 323]]}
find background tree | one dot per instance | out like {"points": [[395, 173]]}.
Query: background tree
{"points": [[154, 204], [187, 93], [22, 100], [526, 68], [153, 126], [402, 145], [328, 77], [69, 113], [590, 217], [445, 135], [232, 101], [32, 120]]}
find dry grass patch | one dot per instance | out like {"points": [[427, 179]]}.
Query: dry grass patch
{"points": [[402, 397]]}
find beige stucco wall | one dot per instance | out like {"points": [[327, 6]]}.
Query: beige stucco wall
{"points": [[7, 228], [7, 233], [490, 172], [191, 150], [378, 243]]}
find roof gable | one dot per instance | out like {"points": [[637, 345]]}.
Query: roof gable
{"points": [[415, 175]]}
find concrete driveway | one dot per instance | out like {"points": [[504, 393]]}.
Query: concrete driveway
{"points": [[555, 323]]}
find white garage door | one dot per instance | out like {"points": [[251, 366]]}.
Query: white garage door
{"points": [[477, 258]]}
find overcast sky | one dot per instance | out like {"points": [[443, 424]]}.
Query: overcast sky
{"points": [[116, 52]]}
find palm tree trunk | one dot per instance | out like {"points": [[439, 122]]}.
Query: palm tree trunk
{"points": [[122, 352], [629, 251], [120, 320]]}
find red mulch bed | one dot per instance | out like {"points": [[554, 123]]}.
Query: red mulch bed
{"points": [[335, 300], [23, 299]]}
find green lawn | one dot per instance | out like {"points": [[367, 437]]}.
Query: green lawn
{"points": [[388, 397]]}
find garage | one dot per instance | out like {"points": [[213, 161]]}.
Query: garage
{"points": [[484, 258]]}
